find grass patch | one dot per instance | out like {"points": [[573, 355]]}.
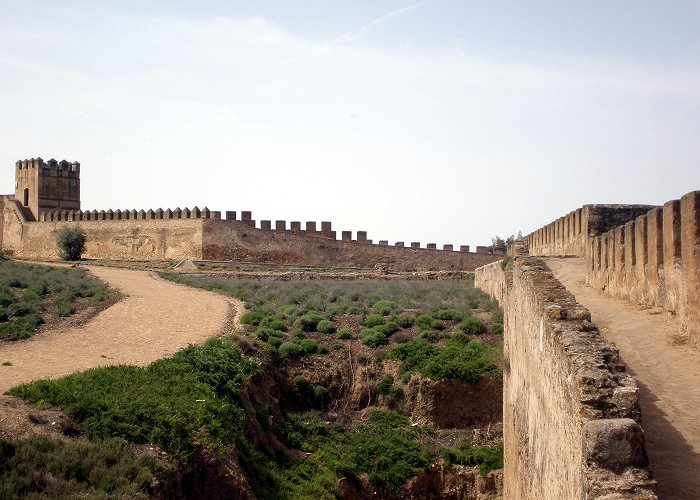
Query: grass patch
{"points": [[30, 295], [386, 448], [459, 358], [167, 403], [43, 467], [488, 458]]}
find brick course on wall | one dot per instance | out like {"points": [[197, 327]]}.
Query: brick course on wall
{"points": [[570, 411], [647, 254]]}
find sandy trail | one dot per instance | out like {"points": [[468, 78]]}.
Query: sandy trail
{"points": [[156, 319], [668, 376]]}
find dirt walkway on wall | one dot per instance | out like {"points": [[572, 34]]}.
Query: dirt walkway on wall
{"points": [[156, 319], [668, 375]]}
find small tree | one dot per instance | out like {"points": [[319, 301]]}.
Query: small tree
{"points": [[71, 241]]}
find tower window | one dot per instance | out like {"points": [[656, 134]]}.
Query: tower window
{"points": [[26, 197]]}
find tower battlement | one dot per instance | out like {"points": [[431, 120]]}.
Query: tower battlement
{"points": [[42, 186]]}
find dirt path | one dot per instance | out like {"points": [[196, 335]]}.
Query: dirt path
{"points": [[156, 319], [668, 376]]}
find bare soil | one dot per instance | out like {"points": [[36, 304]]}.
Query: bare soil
{"points": [[667, 373], [155, 319]]}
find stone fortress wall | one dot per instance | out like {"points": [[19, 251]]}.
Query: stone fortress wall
{"points": [[647, 254], [42, 205], [570, 411]]}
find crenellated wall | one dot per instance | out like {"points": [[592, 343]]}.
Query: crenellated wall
{"points": [[568, 235], [647, 254], [570, 411], [203, 235]]}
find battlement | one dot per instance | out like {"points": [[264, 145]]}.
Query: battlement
{"points": [[45, 186], [310, 228], [47, 194]]}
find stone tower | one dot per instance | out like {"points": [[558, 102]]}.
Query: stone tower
{"points": [[47, 186]]}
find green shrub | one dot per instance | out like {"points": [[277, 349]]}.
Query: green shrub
{"points": [[278, 324], [405, 321], [385, 385], [167, 403], [299, 347], [363, 359], [320, 392], [71, 242], [21, 308], [290, 350], [373, 338], [354, 310], [488, 458], [455, 360], [430, 335], [3, 314], [5, 298], [386, 449], [300, 381], [309, 321], [373, 320], [253, 317], [497, 322], [64, 308], [426, 321], [472, 326], [448, 314], [325, 326], [384, 307], [275, 342], [44, 467], [344, 334]]}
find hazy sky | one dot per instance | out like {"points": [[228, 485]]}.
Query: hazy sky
{"points": [[441, 121]]}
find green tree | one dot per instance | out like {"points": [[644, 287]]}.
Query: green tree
{"points": [[71, 242]]}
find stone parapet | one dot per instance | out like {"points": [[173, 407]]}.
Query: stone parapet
{"points": [[571, 412]]}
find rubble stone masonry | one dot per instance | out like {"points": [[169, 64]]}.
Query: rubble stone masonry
{"points": [[570, 411]]}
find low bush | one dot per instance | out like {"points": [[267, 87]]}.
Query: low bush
{"points": [[472, 326], [344, 334], [448, 314], [426, 321], [405, 321], [167, 403], [468, 361], [299, 347], [383, 307], [253, 317], [325, 326], [44, 467], [374, 320], [373, 337], [488, 458], [309, 321]]}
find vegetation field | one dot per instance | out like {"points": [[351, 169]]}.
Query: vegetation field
{"points": [[33, 295], [309, 398]]}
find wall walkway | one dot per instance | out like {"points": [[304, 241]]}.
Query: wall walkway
{"points": [[667, 373], [570, 411]]}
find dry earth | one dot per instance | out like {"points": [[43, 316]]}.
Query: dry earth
{"points": [[154, 320], [668, 375]]}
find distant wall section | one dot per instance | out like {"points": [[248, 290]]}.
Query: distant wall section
{"points": [[106, 239], [203, 235], [226, 240]]}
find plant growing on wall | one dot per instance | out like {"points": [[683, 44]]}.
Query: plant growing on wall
{"points": [[71, 242]]}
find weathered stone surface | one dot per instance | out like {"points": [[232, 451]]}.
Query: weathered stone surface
{"points": [[560, 379], [614, 444]]}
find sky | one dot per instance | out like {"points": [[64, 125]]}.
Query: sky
{"points": [[443, 121]]}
